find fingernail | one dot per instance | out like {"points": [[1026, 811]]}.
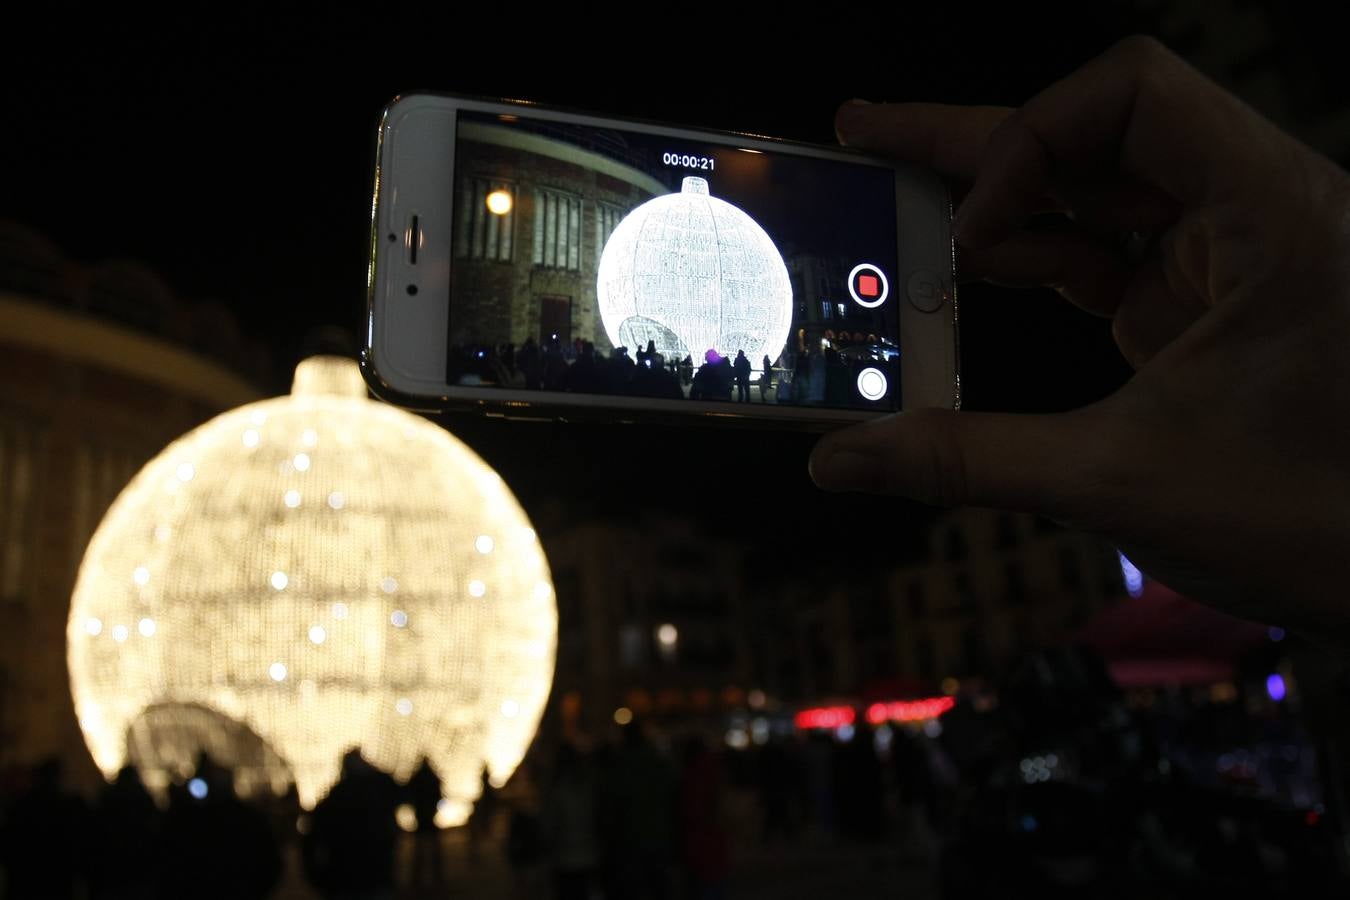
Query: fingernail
{"points": [[844, 470], [849, 110]]}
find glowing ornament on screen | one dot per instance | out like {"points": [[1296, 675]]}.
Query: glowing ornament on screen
{"points": [[307, 574], [694, 273]]}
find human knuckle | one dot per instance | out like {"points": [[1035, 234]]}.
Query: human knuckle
{"points": [[1142, 51], [942, 474]]}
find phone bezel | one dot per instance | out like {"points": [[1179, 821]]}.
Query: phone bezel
{"points": [[404, 358]]}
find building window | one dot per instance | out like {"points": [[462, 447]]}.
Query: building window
{"points": [[607, 218], [555, 320], [918, 601], [878, 661], [956, 545], [825, 312], [965, 594], [843, 310], [557, 230], [973, 650], [1007, 532], [1016, 584], [926, 663], [1080, 613], [1070, 569], [632, 646], [567, 590], [1026, 634], [871, 615], [480, 233], [99, 475], [19, 457]]}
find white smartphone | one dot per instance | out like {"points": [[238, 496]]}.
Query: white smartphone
{"points": [[538, 263]]}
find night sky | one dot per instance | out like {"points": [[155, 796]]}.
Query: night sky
{"points": [[234, 157]]}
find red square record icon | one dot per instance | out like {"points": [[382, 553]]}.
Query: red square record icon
{"points": [[868, 286]]}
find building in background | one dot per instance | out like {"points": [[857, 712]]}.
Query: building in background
{"points": [[104, 366], [820, 291], [660, 618], [994, 586], [988, 588], [652, 624], [526, 264]]}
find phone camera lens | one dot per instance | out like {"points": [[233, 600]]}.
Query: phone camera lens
{"points": [[412, 290], [392, 238]]}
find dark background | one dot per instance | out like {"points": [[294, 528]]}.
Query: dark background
{"points": [[231, 150]]}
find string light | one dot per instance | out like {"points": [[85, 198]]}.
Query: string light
{"points": [[277, 617]]}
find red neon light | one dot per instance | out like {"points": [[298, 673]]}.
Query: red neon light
{"points": [[909, 710], [876, 714], [825, 717]]}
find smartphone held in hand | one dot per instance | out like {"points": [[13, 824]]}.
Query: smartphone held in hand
{"points": [[535, 263]]}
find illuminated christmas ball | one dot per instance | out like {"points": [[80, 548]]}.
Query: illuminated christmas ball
{"points": [[694, 273], [307, 574]]}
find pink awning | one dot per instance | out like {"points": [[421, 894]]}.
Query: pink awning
{"points": [[1163, 638]]}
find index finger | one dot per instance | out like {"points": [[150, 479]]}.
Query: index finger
{"points": [[1137, 109], [948, 139]]}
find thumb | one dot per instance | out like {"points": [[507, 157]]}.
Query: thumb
{"points": [[1030, 463]]}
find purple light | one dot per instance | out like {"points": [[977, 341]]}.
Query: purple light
{"points": [[1275, 687], [1276, 633], [1134, 579]]}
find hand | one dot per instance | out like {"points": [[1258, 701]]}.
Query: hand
{"points": [[1222, 468]]}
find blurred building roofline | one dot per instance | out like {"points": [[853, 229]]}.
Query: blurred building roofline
{"points": [[106, 345]]}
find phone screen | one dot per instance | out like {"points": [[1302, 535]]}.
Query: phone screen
{"points": [[601, 261]]}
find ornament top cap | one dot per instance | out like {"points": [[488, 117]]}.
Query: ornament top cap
{"points": [[692, 184], [334, 376]]}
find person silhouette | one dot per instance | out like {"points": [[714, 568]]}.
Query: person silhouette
{"points": [[125, 840], [215, 845], [742, 368], [483, 816], [44, 839], [349, 850], [424, 794]]}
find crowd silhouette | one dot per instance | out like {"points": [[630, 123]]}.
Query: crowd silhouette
{"points": [[809, 373], [626, 819], [653, 816]]}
